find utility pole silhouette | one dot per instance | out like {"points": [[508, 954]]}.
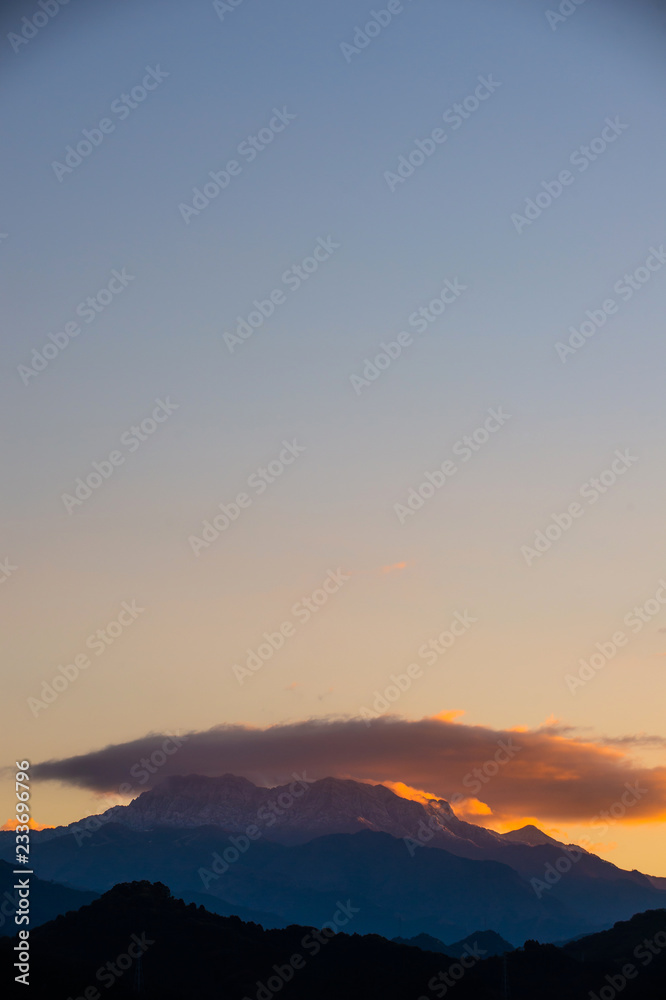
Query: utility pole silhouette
{"points": [[138, 976], [505, 980]]}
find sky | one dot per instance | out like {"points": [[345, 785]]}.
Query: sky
{"points": [[366, 342]]}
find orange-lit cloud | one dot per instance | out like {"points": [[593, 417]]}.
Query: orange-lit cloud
{"points": [[474, 807], [449, 716], [394, 567], [407, 792], [11, 824], [548, 773]]}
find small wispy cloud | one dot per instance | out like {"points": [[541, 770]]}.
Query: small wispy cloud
{"points": [[637, 740], [394, 567]]}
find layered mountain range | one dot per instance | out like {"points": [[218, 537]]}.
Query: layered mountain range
{"points": [[288, 854], [138, 940]]}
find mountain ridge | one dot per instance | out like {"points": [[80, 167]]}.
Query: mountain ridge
{"points": [[401, 892], [263, 851], [336, 805]]}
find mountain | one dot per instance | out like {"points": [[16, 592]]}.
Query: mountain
{"points": [[432, 891], [47, 899], [313, 809], [304, 809], [489, 941], [426, 942], [137, 939], [292, 835], [400, 890], [531, 835]]}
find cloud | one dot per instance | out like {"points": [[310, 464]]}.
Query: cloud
{"points": [[393, 567], [638, 740], [449, 716], [407, 792], [553, 776], [11, 824]]}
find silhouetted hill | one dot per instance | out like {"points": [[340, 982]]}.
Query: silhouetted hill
{"points": [[139, 940], [621, 939], [426, 942], [491, 943]]}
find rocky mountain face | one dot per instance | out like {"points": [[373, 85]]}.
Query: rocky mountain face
{"points": [[299, 811], [293, 813], [303, 809]]}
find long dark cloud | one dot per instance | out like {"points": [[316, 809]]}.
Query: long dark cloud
{"points": [[552, 776]]}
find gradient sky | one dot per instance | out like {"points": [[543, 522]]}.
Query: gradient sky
{"points": [[163, 336]]}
